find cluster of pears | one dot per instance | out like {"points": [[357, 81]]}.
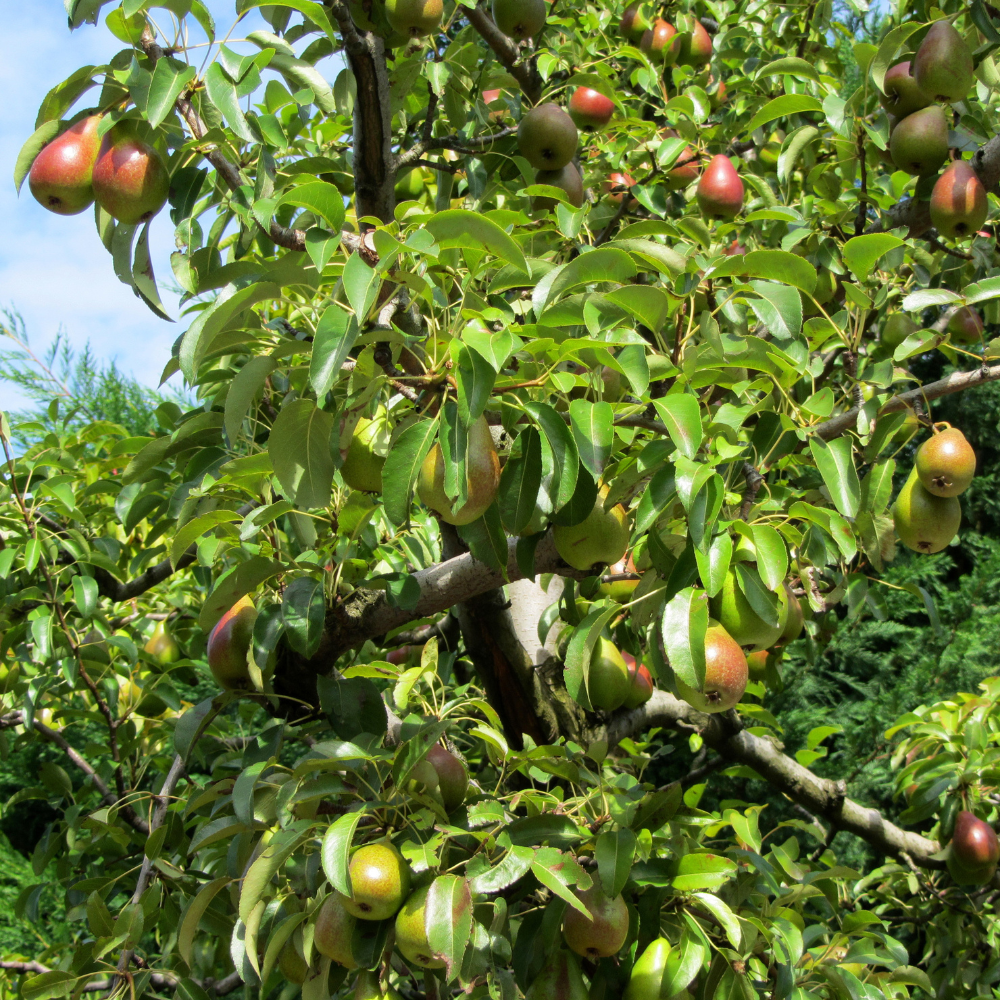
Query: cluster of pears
{"points": [[125, 175], [974, 850], [940, 71], [927, 513], [615, 679]]}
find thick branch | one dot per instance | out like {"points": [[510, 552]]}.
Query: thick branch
{"points": [[821, 796], [507, 52]]}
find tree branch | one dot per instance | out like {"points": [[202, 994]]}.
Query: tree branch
{"points": [[455, 142], [508, 53]]}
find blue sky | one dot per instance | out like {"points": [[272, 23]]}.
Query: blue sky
{"points": [[54, 269]]}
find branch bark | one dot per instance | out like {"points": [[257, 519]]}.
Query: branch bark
{"points": [[508, 53]]}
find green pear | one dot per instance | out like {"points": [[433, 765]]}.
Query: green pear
{"points": [[945, 462], [603, 934], [519, 19], [291, 963], [646, 981], [368, 987], [560, 979], [795, 619], [62, 174], [380, 882], [924, 522], [566, 178], [362, 469], [734, 613], [411, 932], [943, 64], [547, 137], [334, 931], [228, 645], [919, 143], [608, 682], [414, 18], [161, 645], [898, 326], [130, 179], [902, 94], [601, 537], [482, 473], [453, 779], [966, 325], [726, 674]]}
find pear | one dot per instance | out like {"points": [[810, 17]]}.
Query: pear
{"points": [[453, 779], [604, 933], [519, 19], [924, 522], [726, 673], [411, 932], [794, 621], [608, 681], [757, 664], [661, 42], [228, 645], [414, 18], [362, 469], [633, 23], [601, 537], [898, 326], [368, 987], [482, 472], [696, 47], [62, 174], [130, 179], [966, 325], [547, 137], [161, 645], [681, 176], [919, 143], [646, 981], [734, 613], [567, 179], [292, 965], [589, 108], [380, 882], [620, 590], [334, 931], [560, 979], [616, 187], [902, 94], [958, 202], [640, 682], [974, 850], [943, 64], [720, 190], [946, 463]]}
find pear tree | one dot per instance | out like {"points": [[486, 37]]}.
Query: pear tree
{"points": [[554, 371]]}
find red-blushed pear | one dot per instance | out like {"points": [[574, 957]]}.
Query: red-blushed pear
{"points": [[640, 682], [902, 94], [966, 325], [924, 522], [685, 170], [453, 779], [696, 46], [717, 94], [943, 65], [567, 179], [661, 42], [162, 646], [757, 663], [633, 23], [61, 176], [919, 143], [945, 462], [559, 979], [130, 179], [482, 473], [519, 19], [414, 18], [590, 109], [720, 190], [604, 933], [489, 96], [411, 931], [547, 137], [617, 186], [607, 681], [735, 249], [958, 202], [601, 537], [380, 882], [974, 850], [228, 645], [726, 673], [334, 931], [400, 655]]}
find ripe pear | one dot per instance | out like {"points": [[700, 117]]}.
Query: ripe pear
{"points": [[334, 931], [696, 46], [734, 613], [720, 190], [620, 590], [681, 176], [601, 537], [646, 981], [902, 94], [380, 882], [414, 18], [411, 932], [616, 187], [362, 469], [958, 202], [604, 933], [943, 64], [368, 987], [608, 681], [924, 522], [560, 979], [547, 137], [898, 326], [726, 673], [61, 176], [966, 325], [566, 178], [919, 143], [482, 473], [161, 645], [640, 688], [946, 463], [130, 179], [633, 23], [228, 645], [589, 108], [453, 779], [661, 42], [519, 19], [974, 850]]}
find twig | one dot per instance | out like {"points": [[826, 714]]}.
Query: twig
{"points": [[471, 146], [507, 52], [754, 481], [936, 244]]}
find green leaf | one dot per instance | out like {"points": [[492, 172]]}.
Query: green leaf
{"points": [[888, 48], [64, 95], [514, 865], [458, 227], [593, 426], [336, 334], [760, 599], [601, 265], [299, 448], [486, 539], [790, 65], [315, 12], [192, 917], [170, 77], [781, 107], [681, 413], [303, 610], [448, 920], [324, 199], [565, 456], [791, 149], [579, 650], [243, 390], [777, 265], [862, 253], [402, 466], [779, 308], [85, 593], [222, 93], [615, 853], [361, 283], [474, 377], [772, 555], [243, 579], [835, 462], [876, 487], [197, 527], [48, 985], [336, 851], [714, 564], [924, 298], [558, 871], [647, 304], [44, 134], [685, 622], [520, 481]]}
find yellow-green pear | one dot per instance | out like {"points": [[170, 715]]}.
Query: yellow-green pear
{"points": [[608, 682], [646, 981], [482, 473], [734, 613], [368, 987], [925, 522], [411, 932], [362, 469], [380, 882], [161, 645], [560, 979], [601, 537]]}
